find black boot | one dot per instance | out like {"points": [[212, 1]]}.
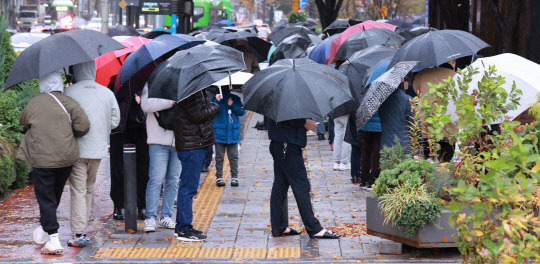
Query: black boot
{"points": [[321, 136], [117, 214]]}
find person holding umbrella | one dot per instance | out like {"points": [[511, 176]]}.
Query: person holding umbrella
{"points": [[99, 103], [54, 121]]}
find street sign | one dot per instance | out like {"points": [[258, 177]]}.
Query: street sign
{"points": [[302, 3], [155, 7], [122, 4]]}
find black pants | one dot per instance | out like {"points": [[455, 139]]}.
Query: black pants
{"points": [[370, 155], [138, 137], [208, 156], [48, 186], [289, 170]]}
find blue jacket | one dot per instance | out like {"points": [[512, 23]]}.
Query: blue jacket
{"points": [[396, 115], [374, 124], [227, 126], [290, 131]]}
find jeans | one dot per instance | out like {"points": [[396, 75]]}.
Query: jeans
{"points": [[330, 131], [232, 154], [355, 161], [192, 162], [164, 170], [320, 127], [208, 156], [48, 185], [342, 149], [289, 170]]}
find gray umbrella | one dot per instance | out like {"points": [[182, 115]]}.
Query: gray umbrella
{"points": [[361, 64], [277, 36], [189, 71], [292, 47], [58, 51], [367, 38], [380, 89], [437, 47], [296, 88]]}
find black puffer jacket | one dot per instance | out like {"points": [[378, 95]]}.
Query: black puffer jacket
{"points": [[193, 123]]}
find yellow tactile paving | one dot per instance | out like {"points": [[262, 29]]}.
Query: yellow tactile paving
{"points": [[147, 253], [215, 253], [293, 252], [241, 253]]}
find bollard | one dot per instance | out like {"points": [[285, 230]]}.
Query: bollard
{"points": [[130, 188]]}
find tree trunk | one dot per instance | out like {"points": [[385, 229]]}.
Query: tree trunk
{"points": [[456, 13], [506, 26]]}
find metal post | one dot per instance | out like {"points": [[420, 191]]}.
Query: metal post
{"points": [[105, 16], [130, 188]]}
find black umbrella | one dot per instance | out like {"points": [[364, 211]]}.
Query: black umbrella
{"points": [[121, 30], [58, 51], [213, 33], [292, 47], [415, 32], [361, 64], [281, 26], [380, 89], [277, 36], [258, 45], [437, 47], [155, 34], [340, 25], [401, 24], [366, 38], [189, 71], [296, 88]]}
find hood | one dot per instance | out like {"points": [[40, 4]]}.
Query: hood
{"points": [[51, 82], [84, 71]]}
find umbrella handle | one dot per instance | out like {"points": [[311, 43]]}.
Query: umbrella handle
{"points": [[220, 92], [230, 81]]}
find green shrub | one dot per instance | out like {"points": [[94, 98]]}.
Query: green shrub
{"points": [[413, 171], [391, 156], [419, 213], [297, 16], [395, 200]]}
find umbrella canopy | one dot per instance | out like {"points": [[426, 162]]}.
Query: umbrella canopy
{"points": [[277, 36], [237, 78], [121, 30], [415, 32], [296, 88], [227, 22], [70, 48], [258, 45], [380, 89], [437, 47], [336, 43], [156, 32], [359, 67], [292, 47], [340, 25], [513, 68], [108, 64], [367, 38], [189, 71], [282, 26], [154, 49], [319, 53], [401, 24]]}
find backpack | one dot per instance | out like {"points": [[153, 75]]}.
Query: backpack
{"points": [[165, 118]]}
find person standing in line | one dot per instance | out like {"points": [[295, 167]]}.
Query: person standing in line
{"points": [[164, 165], [370, 149], [99, 103], [287, 139], [352, 137], [193, 133], [342, 149], [227, 134], [54, 121]]}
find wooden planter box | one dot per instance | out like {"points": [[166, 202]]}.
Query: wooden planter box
{"points": [[429, 236]]}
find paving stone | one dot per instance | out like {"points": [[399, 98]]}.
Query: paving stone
{"points": [[390, 247]]}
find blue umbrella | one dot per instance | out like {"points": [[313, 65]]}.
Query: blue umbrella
{"points": [[378, 71], [271, 51], [320, 52], [227, 22], [138, 65]]}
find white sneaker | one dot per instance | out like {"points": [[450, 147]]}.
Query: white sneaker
{"points": [[52, 247], [40, 237], [344, 166], [167, 222], [149, 225], [311, 133], [336, 166]]}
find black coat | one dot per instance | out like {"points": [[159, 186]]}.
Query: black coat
{"points": [[290, 131], [352, 136], [193, 123]]}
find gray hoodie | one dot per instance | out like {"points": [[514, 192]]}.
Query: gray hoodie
{"points": [[99, 103]]}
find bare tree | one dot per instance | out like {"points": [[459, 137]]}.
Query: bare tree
{"points": [[328, 11], [507, 23]]}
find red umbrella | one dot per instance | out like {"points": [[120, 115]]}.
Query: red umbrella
{"points": [[337, 42], [108, 64]]}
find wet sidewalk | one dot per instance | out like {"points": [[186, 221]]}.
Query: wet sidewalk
{"points": [[237, 220]]}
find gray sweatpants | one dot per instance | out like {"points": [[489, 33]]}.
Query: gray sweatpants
{"points": [[232, 154]]}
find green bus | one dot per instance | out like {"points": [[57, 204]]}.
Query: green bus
{"points": [[208, 12]]}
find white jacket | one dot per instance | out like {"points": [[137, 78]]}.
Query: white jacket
{"points": [[99, 104], [156, 134]]}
